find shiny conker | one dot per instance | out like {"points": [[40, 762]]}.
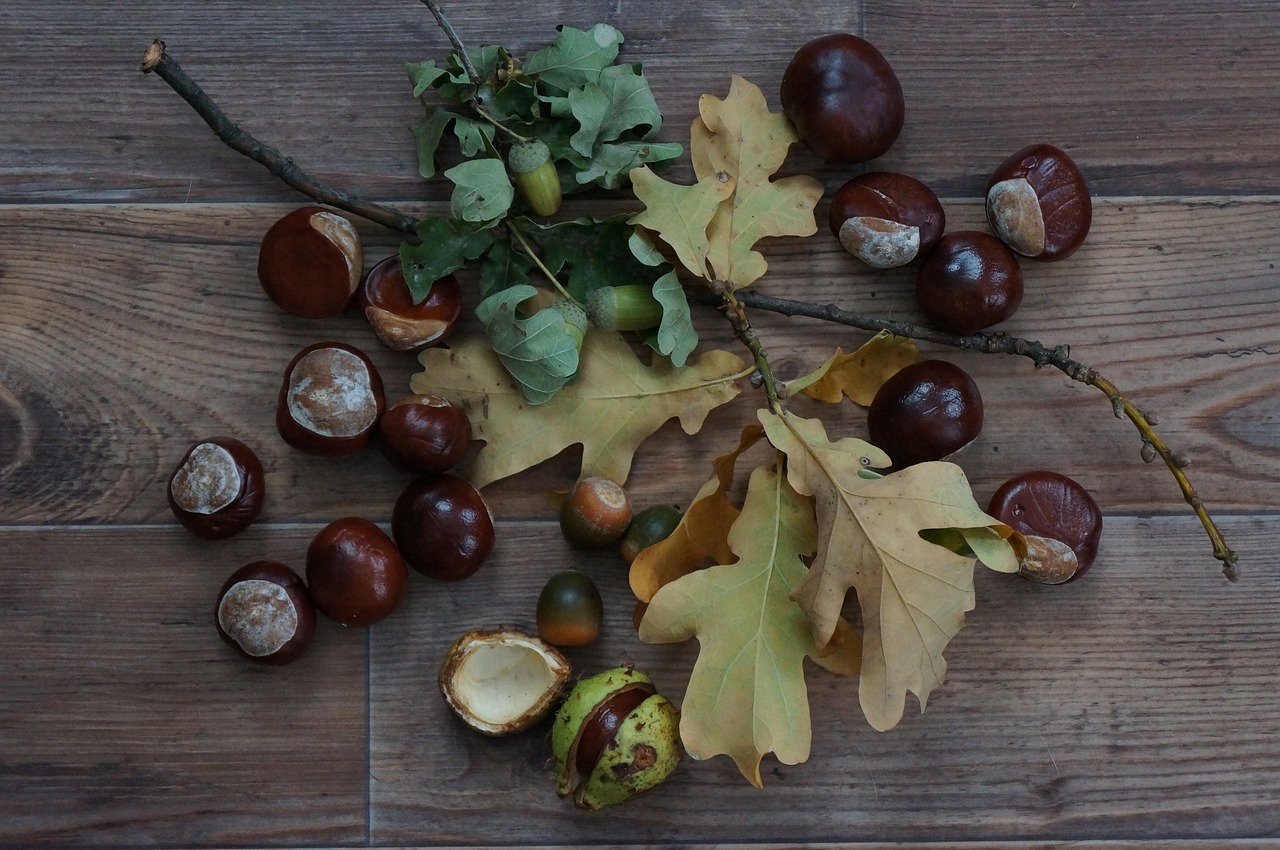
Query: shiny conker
{"points": [[400, 323], [969, 282], [843, 98], [926, 411], [424, 433], [265, 613], [1061, 522], [310, 262], [595, 513], [330, 400], [886, 219], [355, 572], [1038, 203], [442, 526], [570, 611], [217, 489]]}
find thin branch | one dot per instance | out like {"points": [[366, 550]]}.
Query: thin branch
{"points": [[746, 334], [158, 61], [1041, 355], [452, 35]]}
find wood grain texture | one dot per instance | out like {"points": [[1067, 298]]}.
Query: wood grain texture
{"points": [[1134, 709]]}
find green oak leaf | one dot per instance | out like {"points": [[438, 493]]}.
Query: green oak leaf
{"points": [[537, 351], [423, 75], [482, 190], [575, 57], [444, 245], [676, 337], [587, 254], [611, 166], [502, 267], [426, 138]]}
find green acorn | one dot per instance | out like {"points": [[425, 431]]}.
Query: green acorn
{"points": [[575, 319], [613, 738], [630, 307], [535, 176]]}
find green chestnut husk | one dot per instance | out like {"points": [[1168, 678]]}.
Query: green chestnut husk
{"points": [[629, 307], [640, 754], [535, 176]]}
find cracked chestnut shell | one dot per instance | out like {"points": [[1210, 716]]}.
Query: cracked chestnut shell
{"points": [[265, 613], [442, 526], [613, 738], [843, 98], [217, 489], [969, 282], [886, 219], [1061, 522], [1038, 203], [502, 681], [330, 400], [926, 411], [310, 262], [401, 324]]}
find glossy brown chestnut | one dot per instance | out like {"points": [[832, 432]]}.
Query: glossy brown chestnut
{"points": [[970, 281], [264, 613], [926, 411], [1038, 203], [424, 433], [330, 400], [595, 513], [442, 526], [310, 263], [886, 219], [399, 323], [216, 490], [843, 98], [355, 572], [1047, 508]]}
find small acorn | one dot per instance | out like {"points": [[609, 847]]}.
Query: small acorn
{"points": [[613, 738], [535, 176], [630, 307]]}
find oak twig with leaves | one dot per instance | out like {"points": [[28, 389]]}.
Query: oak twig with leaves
{"points": [[906, 544]]}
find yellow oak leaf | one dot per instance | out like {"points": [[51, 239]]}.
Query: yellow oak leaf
{"points": [[679, 215], [740, 137], [615, 403], [702, 536], [736, 143], [858, 374], [912, 593], [746, 695]]}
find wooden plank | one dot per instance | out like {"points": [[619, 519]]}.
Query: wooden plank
{"points": [[124, 719], [1124, 706], [109, 376], [1151, 101]]}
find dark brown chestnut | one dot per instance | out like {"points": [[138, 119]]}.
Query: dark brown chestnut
{"points": [[442, 526], [355, 572], [217, 488], [595, 513], [424, 433], [310, 262], [1061, 522], [400, 323], [330, 400], [843, 98], [1038, 203], [970, 281], [926, 411], [264, 613], [886, 219]]}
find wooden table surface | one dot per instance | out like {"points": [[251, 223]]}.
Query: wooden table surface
{"points": [[1136, 706]]}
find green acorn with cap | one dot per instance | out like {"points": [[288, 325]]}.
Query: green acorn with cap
{"points": [[535, 176]]}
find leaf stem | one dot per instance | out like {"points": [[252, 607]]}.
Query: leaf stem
{"points": [[1041, 355], [731, 306], [452, 34], [156, 60], [537, 261]]}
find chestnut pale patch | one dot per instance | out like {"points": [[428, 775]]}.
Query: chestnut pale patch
{"points": [[207, 481], [879, 242], [259, 616], [331, 393], [1015, 215]]}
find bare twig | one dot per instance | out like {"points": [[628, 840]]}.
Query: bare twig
{"points": [[158, 61], [452, 34], [1041, 355]]}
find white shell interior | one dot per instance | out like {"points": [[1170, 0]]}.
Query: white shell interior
{"points": [[499, 682]]}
